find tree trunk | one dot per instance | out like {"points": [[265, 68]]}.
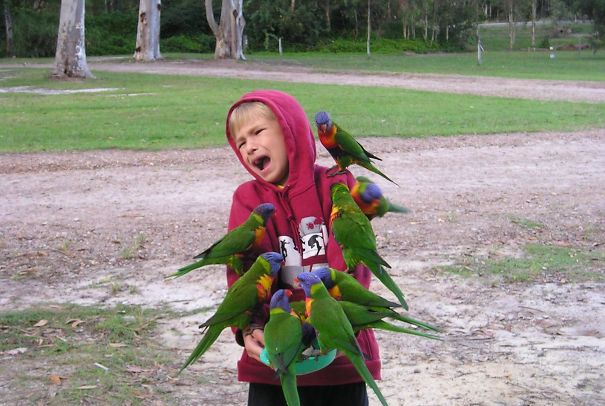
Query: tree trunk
{"points": [[70, 57], [8, 26], [511, 25], [534, 7], [292, 6], [328, 19], [148, 31], [229, 32], [369, 27]]}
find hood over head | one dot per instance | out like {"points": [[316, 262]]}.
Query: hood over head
{"points": [[298, 137]]}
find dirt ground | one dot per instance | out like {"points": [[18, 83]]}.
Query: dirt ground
{"points": [[68, 222]]}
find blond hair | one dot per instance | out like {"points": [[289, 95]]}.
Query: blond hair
{"points": [[247, 111]]}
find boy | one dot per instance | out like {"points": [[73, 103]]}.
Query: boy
{"points": [[270, 134]]}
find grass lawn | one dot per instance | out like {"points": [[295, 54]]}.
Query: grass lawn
{"points": [[567, 65], [157, 112]]}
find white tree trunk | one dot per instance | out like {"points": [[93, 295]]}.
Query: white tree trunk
{"points": [[229, 32], [534, 6], [70, 57], [8, 27], [148, 31], [511, 24], [369, 28]]}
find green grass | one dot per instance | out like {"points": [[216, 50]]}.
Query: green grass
{"points": [[93, 350], [538, 262], [159, 112], [568, 65]]}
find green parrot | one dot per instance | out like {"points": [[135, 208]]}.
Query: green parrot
{"points": [[353, 232], [284, 343], [334, 331], [343, 147], [235, 244], [247, 293], [371, 201], [344, 286], [362, 317]]}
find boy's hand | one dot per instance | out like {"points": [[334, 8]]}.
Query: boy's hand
{"points": [[254, 342]]}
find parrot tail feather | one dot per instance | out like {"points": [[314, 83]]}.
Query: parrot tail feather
{"points": [[209, 338], [288, 385], [362, 369]]}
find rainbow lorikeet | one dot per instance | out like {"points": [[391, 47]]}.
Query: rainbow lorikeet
{"points": [[334, 331], [235, 244], [353, 232], [370, 199], [343, 147], [344, 286], [284, 343], [362, 317], [247, 293]]}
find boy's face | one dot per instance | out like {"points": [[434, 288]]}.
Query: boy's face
{"points": [[261, 143]]}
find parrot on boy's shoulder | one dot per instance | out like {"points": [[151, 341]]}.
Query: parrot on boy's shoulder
{"points": [[370, 199], [343, 147], [353, 232], [253, 289], [231, 249]]}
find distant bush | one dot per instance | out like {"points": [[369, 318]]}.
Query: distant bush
{"points": [[379, 45], [188, 43], [111, 33], [35, 33]]}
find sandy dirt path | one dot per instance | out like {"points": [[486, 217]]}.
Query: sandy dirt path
{"points": [[66, 218]]}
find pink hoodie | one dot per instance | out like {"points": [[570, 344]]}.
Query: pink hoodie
{"points": [[299, 229]]}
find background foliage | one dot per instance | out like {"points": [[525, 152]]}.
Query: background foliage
{"points": [[321, 25]]}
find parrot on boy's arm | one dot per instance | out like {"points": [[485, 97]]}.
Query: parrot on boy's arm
{"points": [[343, 147], [362, 317], [231, 248], [344, 286], [284, 343], [334, 331], [251, 290], [370, 199], [353, 232]]}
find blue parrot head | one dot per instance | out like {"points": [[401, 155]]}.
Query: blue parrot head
{"points": [[371, 193], [308, 279], [265, 210], [325, 275], [275, 259], [281, 299], [323, 119]]}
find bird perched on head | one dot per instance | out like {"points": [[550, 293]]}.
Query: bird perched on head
{"points": [[370, 199], [232, 248], [353, 232], [334, 331], [253, 289], [343, 147], [284, 343]]}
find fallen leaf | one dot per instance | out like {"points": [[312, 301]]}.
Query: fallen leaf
{"points": [[41, 323], [74, 322], [15, 351], [87, 387], [118, 345], [55, 379]]}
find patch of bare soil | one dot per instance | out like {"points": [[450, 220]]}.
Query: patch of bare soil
{"points": [[72, 225]]}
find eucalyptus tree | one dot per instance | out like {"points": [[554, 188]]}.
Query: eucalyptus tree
{"points": [[148, 31], [70, 56], [229, 32]]}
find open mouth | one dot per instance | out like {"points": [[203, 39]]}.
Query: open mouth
{"points": [[261, 162]]}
